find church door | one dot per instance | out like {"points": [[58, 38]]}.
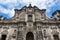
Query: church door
{"points": [[3, 37], [29, 36]]}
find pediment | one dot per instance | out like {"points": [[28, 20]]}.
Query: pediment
{"points": [[22, 14]]}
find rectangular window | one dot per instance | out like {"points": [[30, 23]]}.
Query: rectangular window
{"points": [[29, 17]]}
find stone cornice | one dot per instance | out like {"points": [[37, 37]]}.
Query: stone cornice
{"points": [[47, 21]]}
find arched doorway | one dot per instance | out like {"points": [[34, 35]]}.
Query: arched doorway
{"points": [[29, 36], [3, 37]]}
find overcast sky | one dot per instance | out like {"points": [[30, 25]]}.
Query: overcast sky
{"points": [[7, 6]]}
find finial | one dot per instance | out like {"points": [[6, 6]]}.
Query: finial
{"points": [[30, 4]]}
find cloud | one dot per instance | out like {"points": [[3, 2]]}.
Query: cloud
{"points": [[7, 11], [7, 1], [3, 10], [40, 3], [12, 4]]}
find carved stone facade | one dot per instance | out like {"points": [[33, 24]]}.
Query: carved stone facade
{"points": [[29, 23]]}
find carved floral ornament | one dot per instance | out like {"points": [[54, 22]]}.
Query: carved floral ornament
{"points": [[54, 27], [5, 27], [54, 32], [4, 32]]}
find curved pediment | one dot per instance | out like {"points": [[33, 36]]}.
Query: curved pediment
{"points": [[27, 14]]}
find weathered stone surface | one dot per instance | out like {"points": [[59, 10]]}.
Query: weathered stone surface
{"points": [[39, 26]]}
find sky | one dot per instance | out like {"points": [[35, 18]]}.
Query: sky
{"points": [[7, 6]]}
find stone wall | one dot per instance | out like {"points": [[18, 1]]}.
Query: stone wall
{"points": [[41, 32]]}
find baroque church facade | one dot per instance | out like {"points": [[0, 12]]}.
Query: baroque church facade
{"points": [[30, 23]]}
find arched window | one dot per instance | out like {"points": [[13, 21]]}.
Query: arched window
{"points": [[29, 17], [3, 37], [56, 37]]}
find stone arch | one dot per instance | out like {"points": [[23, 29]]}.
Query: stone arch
{"points": [[4, 35], [29, 36], [4, 32], [55, 32], [55, 35]]}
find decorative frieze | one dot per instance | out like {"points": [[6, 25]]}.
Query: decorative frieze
{"points": [[39, 35]]}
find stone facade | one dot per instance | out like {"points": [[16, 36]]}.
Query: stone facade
{"points": [[29, 23]]}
